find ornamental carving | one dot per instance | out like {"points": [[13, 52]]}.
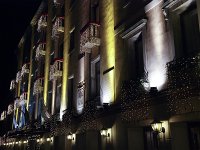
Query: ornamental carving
{"points": [[42, 22], [56, 69], [58, 27], [40, 51], [38, 86], [90, 37]]}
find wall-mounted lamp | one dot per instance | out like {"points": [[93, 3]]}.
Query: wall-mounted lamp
{"points": [[157, 127], [49, 140], [69, 136], [25, 142], [106, 132]]}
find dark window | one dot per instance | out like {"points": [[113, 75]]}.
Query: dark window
{"points": [[95, 13], [72, 44], [190, 31], [60, 52], [70, 92], [71, 2], [136, 61], [97, 77]]}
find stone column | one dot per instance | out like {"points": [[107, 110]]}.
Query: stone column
{"points": [[47, 50], [107, 68], [158, 50]]}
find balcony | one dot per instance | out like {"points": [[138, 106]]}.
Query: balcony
{"points": [[58, 2], [23, 98], [90, 36], [18, 76], [25, 69], [184, 72], [42, 22], [58, 27], [40, 51], [38, 86], [56, 69], [183, 84], [10, 109], [12, 85]]}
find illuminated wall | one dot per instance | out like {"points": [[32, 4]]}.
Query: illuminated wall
{"points": [[47, 51], [158, 49], [107, 51], [30, 68], [64, 100]]}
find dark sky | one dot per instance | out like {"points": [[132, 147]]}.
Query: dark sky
{"points": [[15, 16]]}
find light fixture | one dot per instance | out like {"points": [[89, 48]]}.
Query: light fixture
{"points": [[38, 140], [157, 127], [25, 142], [48, 139], [17, 143], [69, 136], [105, 132]]}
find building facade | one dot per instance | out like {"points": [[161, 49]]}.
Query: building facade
{"points": [[107, 75]]}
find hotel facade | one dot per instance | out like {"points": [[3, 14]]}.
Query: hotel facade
{"points": [[107, 75]]}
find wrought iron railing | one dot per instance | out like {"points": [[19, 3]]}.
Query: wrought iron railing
{"points": [[56, 69], [42, 22], [12, 85], [18, 76], [58, 27], [40, 51], [38, 86], [184, 72], [25, 69], [90, 36]]}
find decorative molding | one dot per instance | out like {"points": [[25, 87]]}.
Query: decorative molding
{"points": [[134, 29]]}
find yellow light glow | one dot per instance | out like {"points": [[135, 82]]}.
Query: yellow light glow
{"points": [[108, 41], [69, 137]]}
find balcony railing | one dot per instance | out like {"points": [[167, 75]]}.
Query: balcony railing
{"points": [[42, 22], [10, 109], [58, 2], [25, 69], [23, 98], [38, 86], [18, 76], [56, 69], [90, 36], [183, 84], [184, 72], [40, 51], [12, 85], [58, 27]]}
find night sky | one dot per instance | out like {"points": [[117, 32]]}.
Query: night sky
{"points": [[15, 16]]}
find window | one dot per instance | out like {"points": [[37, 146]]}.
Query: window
{"points": [[72, 41], [60, 52], [190, 31], [70, 92], [95, 13], [133, 38], [95, 78]]}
